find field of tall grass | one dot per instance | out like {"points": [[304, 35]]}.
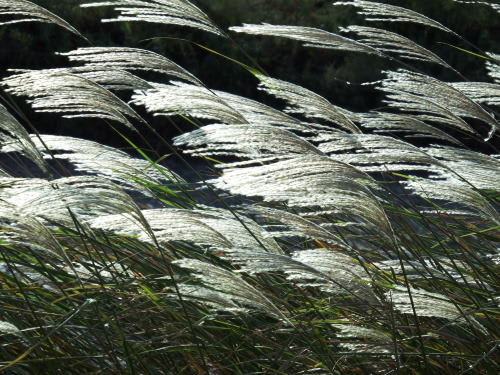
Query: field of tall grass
{"points": [[301, 239]]}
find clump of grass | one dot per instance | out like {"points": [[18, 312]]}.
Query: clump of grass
{"points": [[326, 242]]}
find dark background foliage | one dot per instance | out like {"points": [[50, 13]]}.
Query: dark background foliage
{"points": [[334, 74]]}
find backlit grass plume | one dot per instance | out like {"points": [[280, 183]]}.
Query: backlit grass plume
{"points": [[177, 12], [26, 11], [69, 94]]}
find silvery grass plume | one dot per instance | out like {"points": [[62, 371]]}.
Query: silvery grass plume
{"points": [[21, 229], [309, 181], [444, 268], [109, 78], [416, 106], [213, 228], [26, 11], [124, 58], [389, 42], [308, 103], [224, 290], [494, 67], [280, 224], [250, 141], [35, 250], [374, 153], [180, 98], [13, 134], [346, 271], [115, 79], [63, 199], [480, 92], [433, 100], [7, 328], [199, 102], [466, 168], [376, 11], [69, 94], [427, 304], [362, 339], [259, 113], [494, 6], [458, 199], [311, 36], [104, 161], [329, 271], [170, 12], [256, 144], [383, 122]]}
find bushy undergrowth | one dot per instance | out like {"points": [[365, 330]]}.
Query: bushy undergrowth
{"points": [[322, 241]]}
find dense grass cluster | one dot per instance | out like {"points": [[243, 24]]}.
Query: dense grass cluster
{"points": [[320, 241]]}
